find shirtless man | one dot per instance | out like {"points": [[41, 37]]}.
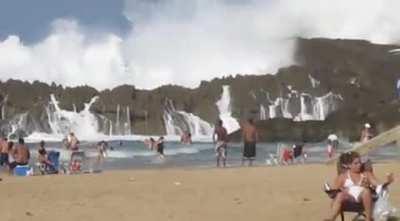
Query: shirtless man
{"points": [[3, 152], [22, 154], [250, 137], [220, 142]]}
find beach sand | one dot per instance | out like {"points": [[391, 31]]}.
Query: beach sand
{"points": [[258, 193]]}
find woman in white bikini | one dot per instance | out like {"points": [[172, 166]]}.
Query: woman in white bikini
{"points": [[355, 186]]}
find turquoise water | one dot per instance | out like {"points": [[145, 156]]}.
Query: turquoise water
{"points": [[134, 154]]}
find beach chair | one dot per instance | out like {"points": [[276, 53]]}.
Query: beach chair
{"points": [[274, 158], [347, 206], [351, 206], [298, 153]]}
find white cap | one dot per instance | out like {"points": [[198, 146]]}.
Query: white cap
{"points": [[367, 125], [332, 137]]}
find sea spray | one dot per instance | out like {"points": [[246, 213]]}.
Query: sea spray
{"points": [[225, 110]]}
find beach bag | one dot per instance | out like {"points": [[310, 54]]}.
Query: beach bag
{"points": [[383, 210], [23, 170]]}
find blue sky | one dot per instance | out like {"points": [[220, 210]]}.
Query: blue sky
{"points": [[31, 19], [93, 42]]}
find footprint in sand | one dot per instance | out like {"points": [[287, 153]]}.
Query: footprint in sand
{"points": [[237, 200]]}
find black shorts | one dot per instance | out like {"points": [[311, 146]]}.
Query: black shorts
{"points": [[160, 149], [3, 159], [249, 150], [14, 164]]}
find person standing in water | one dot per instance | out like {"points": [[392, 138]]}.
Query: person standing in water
{"points": [[186, 138], [250, 137], [220, 143], [72, 142], [160, 147], [102, 147], [150, 143]]}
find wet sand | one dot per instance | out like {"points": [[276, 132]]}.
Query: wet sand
{"points": [[258, 193]]}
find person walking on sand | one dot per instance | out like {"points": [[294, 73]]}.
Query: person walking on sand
{"points": [[333, 143], [221, 141], [366, 133], [250, 138]]}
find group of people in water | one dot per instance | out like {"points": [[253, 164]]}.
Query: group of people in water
{"points": [[285, 155], [221, 139], [354, 180], [12, 155], [157, 145]]}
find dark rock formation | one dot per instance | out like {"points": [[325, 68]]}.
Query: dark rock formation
{"points": [[364, 74]]}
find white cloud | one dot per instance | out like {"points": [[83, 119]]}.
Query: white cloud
{"points": [[184, 42]]}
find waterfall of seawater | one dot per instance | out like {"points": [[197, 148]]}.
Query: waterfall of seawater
{"points": [[178, 122], [123, 125], [117, 121], [225, 110], [263, 113], [128, 129], [309, 107], [3, 107], [61, 122]]}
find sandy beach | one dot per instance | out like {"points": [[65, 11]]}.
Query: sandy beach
{"points": [[258, 193]]}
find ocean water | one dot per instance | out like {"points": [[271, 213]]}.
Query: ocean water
{"points": [[134, 154]]}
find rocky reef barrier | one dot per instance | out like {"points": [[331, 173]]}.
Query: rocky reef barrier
{"points": [[335, 86]]}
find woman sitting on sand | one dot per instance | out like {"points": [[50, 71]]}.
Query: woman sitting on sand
{"points": [[355, 186], [42, 155]]}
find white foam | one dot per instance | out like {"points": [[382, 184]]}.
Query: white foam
{"points": [[225, 110]]}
